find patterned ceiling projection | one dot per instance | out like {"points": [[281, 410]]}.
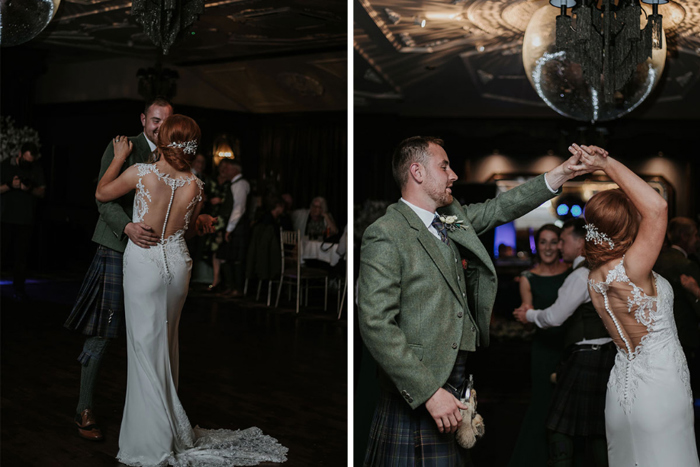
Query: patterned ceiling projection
{"points": [[463, 58], [236, 46]]}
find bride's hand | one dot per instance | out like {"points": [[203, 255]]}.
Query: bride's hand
{"points": [[122, 147], [592, 158]]}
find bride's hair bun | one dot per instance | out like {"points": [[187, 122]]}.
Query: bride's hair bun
{"points": [[612, 213], [174, 133]]}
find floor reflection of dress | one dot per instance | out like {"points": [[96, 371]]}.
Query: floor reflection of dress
{"points": [[547, 347], [155, 429]]}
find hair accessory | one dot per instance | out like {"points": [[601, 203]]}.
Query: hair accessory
{"points": [[592, 234], [188, 147]]}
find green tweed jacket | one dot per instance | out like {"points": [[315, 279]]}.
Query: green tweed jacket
{"points": [[413, 316], [114, 215]]}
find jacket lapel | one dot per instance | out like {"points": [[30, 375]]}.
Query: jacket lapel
{"points": [[467, 237], [428, 242]]}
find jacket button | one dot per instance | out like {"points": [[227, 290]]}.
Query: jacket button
{"points": [[454, 345], [410, 399], [460, 314], [473, 328]]}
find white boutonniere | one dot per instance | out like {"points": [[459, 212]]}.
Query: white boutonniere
{"points": [[452, 223]]}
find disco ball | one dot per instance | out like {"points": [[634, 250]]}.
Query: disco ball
{"points": [[559, 81], [23, 20]]}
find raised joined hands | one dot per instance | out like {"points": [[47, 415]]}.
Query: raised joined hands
{"points": [[586, 159]]}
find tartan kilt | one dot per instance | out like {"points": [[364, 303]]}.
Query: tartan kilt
{"points": [[402, 437], [99, 308], [578, 402]]}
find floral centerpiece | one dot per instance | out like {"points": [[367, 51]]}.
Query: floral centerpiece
{"points": [[12, 137]]}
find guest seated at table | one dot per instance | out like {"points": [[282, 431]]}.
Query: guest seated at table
{"points": [[315, 222], [285, 219], [263, 260]]}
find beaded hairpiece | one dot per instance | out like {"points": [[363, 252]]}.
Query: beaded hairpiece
{"points": [[593, 235], [188, 147]]}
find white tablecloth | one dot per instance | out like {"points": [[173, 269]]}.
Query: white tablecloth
{"points": [[315, 249]]}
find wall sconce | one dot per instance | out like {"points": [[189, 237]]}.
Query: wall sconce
{"points": [[222, 149]]}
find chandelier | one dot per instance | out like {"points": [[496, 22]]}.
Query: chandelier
{"points": [[608, 42], [595, 60]]}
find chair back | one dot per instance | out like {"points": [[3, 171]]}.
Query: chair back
{"points": [[289, 249]]}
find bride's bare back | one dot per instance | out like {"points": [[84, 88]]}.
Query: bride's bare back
{"points": [[163, 202]]}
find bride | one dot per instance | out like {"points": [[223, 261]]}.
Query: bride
{"points": [[155, 430], [648, 407]]}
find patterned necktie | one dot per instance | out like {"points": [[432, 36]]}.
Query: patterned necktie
{"points": [[441, 229]]}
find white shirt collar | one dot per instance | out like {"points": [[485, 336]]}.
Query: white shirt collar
{"points": [[425, 216], [151, 144], [236, 177], [577, 261], [685, 253]]}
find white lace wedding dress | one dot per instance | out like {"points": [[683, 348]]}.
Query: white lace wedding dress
{"points": [[648, 408], [155, 429]]}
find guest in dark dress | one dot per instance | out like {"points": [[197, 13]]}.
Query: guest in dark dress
{"points": [[538, 289]]}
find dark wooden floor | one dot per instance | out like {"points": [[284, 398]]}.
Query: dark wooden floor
{"points": [[241, 364]]}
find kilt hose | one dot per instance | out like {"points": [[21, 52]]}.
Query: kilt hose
{"points": [[578, 402], [99, 308], [400, 436]]}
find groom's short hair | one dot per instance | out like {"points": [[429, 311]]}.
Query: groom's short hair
{"points": [[579, 227], [409, 151]]}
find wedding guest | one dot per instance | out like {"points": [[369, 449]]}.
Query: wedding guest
{"points": [[673, 262], [538, 289], [315, 222], [22, 186], [237, 231], [219, 204], [286, 216], [199, 166], [576, 414]]}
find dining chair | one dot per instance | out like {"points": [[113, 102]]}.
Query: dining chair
{"points": [[294, 272]]}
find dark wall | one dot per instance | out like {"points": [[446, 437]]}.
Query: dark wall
{"points": [[304, 155], [465, 139]]}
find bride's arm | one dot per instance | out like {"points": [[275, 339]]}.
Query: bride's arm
{"points": [[192, 228], [112, 185], [652, 208]]}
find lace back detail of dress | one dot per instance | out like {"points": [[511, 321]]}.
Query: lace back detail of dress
{"points": [[170, 248], [653, 315]]}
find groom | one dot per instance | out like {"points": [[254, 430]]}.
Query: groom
{"points": [[426, 289]]}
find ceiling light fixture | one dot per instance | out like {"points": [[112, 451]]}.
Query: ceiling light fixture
{"points": [[419, 20], [607, 46], [392, 16]]}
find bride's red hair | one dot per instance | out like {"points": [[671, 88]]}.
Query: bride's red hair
{"points": [[179, 129], [614, 215]]}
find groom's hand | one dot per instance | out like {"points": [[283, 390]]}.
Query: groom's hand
{"points": [[141, 234], [444, 408]]}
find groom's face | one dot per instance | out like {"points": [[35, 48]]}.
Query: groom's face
{"points": [[439, 176]]}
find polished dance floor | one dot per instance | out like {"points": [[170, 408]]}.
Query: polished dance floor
{"points": [[242, 364]]}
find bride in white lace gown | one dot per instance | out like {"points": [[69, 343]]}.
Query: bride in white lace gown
{"points": [[648, 410], [155, 430]]}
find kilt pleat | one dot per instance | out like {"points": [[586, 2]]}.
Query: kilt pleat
{"points": [[98, 309], [578, 402], [401, 436]]}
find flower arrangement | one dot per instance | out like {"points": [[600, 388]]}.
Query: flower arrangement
{"points": [[12, 137]]}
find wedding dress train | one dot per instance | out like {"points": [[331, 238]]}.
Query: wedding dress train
{"points": [[155, 430], [648, 408]]}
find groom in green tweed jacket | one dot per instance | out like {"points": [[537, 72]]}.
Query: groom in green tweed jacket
{"points": [[426, 289]]}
